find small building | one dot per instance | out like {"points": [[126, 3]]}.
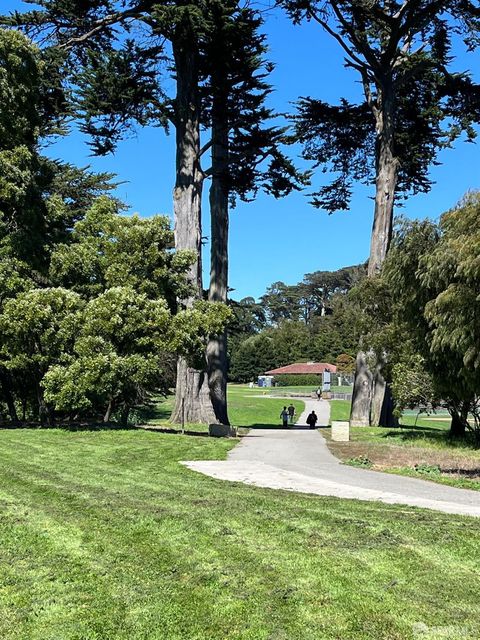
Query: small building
{"points": [[303, 368], [265, 381]]}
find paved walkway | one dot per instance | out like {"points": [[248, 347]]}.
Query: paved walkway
{"points": [[298, 459]]}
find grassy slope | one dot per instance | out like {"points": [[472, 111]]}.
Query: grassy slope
{"points": [[428, 444], [103, 536]]}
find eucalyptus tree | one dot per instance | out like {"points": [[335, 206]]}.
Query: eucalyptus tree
{"points": [[414, 105]]}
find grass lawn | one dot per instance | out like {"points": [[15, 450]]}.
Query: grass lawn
{"points": [[246, 407], [104, 536], [422, 450]]}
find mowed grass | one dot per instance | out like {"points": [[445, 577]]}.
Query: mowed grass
{"points": [[419, 448], [105, 536], [256, 409], [246, 408]]}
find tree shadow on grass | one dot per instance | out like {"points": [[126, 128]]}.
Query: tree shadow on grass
{"points": [[464, 473], [172, 430], [70, 426], [259, 425]]}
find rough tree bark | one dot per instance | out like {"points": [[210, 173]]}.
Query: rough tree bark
{"points": [[379, 409], [218, 290], [362, 393], [192, 394], [385, 184]]}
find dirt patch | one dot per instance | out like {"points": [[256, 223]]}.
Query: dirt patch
{"points": [[385, 457]]}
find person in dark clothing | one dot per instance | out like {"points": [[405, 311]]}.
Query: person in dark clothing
{"points": [[291, 413], [312, 420]]}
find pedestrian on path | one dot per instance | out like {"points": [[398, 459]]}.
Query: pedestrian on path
{"points": [[291, 413], [284, 417], [312, 420], [319, 393]]}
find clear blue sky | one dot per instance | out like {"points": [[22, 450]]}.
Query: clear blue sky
{"points": [[281, 239]]}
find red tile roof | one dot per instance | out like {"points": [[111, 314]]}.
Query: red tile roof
{"points": [[303, 367]]}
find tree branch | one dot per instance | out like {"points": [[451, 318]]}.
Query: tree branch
{"points": [[106, 21], [337, 37], [206, 147], [363, 47]]}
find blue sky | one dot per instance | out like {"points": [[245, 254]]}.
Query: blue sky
{"points": [[270, 239]]}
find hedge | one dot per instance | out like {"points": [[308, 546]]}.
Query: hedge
{"points": [[298, 380]]}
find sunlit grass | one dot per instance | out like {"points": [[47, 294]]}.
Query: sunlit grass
{"points": [[104, 536]]}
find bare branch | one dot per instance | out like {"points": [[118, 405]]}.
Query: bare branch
{"points": [[206, 147], [337, 37], [106, 21]]}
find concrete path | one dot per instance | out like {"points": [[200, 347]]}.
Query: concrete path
{"points": [[297, 459]]}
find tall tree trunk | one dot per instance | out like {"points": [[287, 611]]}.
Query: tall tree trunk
{"points": [[459, 414], [108, 412], [192, 390], [381, 410], [362, 393], [385, 185], [42, 407], [125, 412], [218, 290], [378, 395]]}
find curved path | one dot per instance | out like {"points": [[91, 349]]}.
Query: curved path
{"points": [[298, 459]]}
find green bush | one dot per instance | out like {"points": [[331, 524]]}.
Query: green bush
{"points": [[292, 380]]}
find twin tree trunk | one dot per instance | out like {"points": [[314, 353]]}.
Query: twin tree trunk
{"points": [[192, 394], [371, 399]]}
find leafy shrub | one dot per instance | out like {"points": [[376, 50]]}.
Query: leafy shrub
{"points": [[360, 461], [428, 469]]}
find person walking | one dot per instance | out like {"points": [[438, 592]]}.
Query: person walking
{"points": [[319, 393], [291, 413], [284, 417], [312, 420]]}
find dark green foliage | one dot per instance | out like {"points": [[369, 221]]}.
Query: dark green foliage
{"points": [[252, 358], [311, 298], [117, 90], [298, 380], [424, 311], [235, 93], [341, 138], [40, 198], [409, 90]]}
